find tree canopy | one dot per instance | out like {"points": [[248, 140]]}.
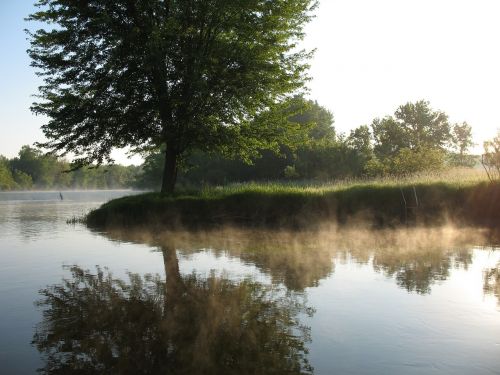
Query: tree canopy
{"points": [[461, 142], [183, 74], [413, 126], [416, 139]]}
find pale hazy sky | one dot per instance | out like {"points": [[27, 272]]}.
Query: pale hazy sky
{"points": [[372, 56]]}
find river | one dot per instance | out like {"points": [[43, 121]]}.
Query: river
{"points": [[335, 301]]}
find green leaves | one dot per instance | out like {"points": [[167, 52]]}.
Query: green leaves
{"points": [[411, 141], [413, 126], [188, 74], [491, 158]]}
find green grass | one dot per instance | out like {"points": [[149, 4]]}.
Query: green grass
{"points": [[379, 202], [459, 177]]}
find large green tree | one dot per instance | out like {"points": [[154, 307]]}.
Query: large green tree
{"points": [[183, 74]]}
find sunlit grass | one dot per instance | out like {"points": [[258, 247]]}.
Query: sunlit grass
{"points": [[433, 198], [457, 177]]}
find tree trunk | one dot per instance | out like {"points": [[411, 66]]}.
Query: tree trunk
{"points": [[174, 284], [172, 304], [169, 171]]}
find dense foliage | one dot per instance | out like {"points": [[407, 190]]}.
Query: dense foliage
{"points": [[416, 139], [491, 158], [185, 75], [32, 169]]}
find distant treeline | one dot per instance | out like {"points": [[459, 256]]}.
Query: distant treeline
{"points": [[32, 169], [415, 139]]}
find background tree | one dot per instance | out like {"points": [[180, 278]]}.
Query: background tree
{"points": [[23, 180], [309, 125], [34, 169], [411, 141], [413, 126], [360, 144], [42, 168], [183, 74], [491, 158], [319, 119], [461, 140], [389, 137], [423, 126], [6, 179]]}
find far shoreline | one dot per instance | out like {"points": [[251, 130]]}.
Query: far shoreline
{"points": [[68, 190]]}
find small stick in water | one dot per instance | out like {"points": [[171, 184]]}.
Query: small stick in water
{"points": [[60, 196]]}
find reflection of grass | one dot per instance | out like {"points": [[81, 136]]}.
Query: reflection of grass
{"points": [[75, 220], [440, 197], [492, 282]]}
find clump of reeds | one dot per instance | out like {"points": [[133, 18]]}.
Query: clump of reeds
{"points": [[76, 220]]}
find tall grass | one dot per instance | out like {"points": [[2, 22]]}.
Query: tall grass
{"points": [[458, 177], [453, 195]]}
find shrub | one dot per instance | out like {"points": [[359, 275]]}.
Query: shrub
{"points": [[491, 158]]}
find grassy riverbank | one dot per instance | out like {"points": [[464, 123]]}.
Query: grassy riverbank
{"points": [[377, 203]]}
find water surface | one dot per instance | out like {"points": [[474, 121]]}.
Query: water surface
{"points": [[411, 301]]}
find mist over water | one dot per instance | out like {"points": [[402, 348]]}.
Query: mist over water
{"points": [[336, 300]]}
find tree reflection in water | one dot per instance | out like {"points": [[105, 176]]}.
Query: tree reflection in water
{"points": [[95, 323], [417, 271], [492, 282], [415, 258]]}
